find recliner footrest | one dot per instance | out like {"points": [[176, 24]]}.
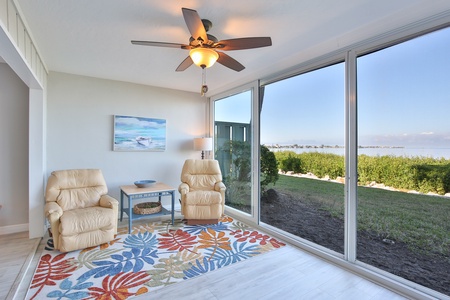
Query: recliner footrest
{"points": [[202, 222]]}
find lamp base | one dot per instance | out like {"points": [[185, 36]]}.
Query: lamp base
{"points": [[203, 154]]}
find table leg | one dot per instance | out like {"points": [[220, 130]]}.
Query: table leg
{"points": [[130, 214], [121, 205], [173, 207]]}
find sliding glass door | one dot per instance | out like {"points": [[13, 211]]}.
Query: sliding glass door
{"points": [[361, 156], [302, 125], [233, 148], [404, 160]]}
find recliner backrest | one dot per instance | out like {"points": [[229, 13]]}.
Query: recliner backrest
{"points": [[201, 174], [76, 188]]}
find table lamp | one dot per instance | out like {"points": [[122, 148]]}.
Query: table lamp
{"points": [[203, 144]]}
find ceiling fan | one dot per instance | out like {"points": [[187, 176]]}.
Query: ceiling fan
{"points": [[204, 47]]}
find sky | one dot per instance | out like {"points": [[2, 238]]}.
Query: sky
{"points": [[403, 100], [236, 108], [404, 93]]}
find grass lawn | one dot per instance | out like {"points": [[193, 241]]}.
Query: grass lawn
{"points": [[420, 221]]}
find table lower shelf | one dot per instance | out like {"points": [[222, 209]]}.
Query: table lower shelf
{"points": [[134, 216]]}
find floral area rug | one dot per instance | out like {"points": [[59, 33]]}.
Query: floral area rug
{"points": [[154, 255]]}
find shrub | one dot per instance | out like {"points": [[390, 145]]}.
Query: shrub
{"points": [[282, 155], [423, 174], [291, 163], [435, 178], [235, 157], [269, 169]]}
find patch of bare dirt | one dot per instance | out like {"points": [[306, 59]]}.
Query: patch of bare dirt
{"points": [[312, 223]]}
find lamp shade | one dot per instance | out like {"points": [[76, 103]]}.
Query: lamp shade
{"points": [[203, 57], [203, 144]]}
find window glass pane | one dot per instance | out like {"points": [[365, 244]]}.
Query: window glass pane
{"points": [[232, 132], [302, 123], [404, 160]]}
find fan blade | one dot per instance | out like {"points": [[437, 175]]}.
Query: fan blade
{"points": [[161, 44], [244, 43], [194, 24], [229, 62], [185, 64]]}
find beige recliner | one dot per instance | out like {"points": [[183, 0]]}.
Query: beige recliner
{"points": [[80, 212], [202, 191]]}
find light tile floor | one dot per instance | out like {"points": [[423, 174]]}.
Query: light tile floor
{"points": [[286, 273]]}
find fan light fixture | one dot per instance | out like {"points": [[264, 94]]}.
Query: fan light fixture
{"points": [[202, 46], [203, 57]]}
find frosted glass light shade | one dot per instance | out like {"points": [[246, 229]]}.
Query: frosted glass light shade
{"points": [[203, 57]]}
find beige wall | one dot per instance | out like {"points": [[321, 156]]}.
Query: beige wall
{"points": [[80, 114], [13, 151]]}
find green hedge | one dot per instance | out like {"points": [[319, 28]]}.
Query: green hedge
{"points": [[422, 174]]}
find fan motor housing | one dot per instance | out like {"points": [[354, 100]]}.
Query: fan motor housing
{"points": [[211, 40], [207, 24]]}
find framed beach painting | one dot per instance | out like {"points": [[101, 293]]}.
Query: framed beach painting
{"points": [[139, 134]]}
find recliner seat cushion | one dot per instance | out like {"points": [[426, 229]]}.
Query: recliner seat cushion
{"points": [[89, 219]]}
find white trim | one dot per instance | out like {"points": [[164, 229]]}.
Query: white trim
{"points": [[254, 88], [36, 163], [402, 34], [229, 93], [351, 158], [237, 214], [255, 177], [20, 15], [16, 60], [13, 228]]}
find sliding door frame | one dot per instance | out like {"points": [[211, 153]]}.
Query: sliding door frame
{"points": [[253, 217], [348, 54]]}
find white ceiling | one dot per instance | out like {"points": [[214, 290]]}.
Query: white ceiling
{"points": [[92, 38]]}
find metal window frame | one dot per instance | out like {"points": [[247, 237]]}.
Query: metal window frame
{"points": [[253, 87], [350, 54]]}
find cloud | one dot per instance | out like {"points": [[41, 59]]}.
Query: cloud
{"points": [[423, 139], [139, 122]]}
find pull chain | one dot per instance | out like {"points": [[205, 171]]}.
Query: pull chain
{"points": [[204, 89]]}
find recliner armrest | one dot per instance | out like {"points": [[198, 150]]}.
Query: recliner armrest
{"points": [[108, 201], [53, 209], [220, 186], [183, 188], [53, 212]]}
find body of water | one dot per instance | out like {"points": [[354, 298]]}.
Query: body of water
{"points": [[408, 152]]}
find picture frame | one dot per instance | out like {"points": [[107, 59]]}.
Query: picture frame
{"points": [[139, 134]]}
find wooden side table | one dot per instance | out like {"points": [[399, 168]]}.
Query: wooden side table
{"points": [[132, 192]]}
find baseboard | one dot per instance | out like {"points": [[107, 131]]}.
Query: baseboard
{"points": [[13, 228]]}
